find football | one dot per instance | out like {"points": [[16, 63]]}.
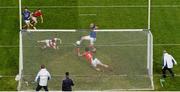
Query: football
{"points": [[78, 42]]}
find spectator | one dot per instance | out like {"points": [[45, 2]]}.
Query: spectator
{"points": [[168, 62], [42, 78], [67, 83]]}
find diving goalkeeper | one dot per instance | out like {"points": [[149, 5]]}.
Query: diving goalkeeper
{"points": [[51, 43], [90, 59]]}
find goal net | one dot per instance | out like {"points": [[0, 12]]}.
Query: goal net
{"points": [[128, 52]]}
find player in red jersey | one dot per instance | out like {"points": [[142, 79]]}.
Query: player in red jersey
{"points": [[35, 15], [89, 57], [51, 43]]}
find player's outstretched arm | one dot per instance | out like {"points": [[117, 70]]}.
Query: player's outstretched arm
{"points": [[42, 20], [78, 52], [41, 41], [60, 41]]}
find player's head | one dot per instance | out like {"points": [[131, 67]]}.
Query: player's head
{"points": [[67, 74], [42, 66], [87, 49], [92, 25], [164, 51], [39, 9], [25, 8]]}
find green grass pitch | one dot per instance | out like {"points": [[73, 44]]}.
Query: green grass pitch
{"points": [[164, 26]]}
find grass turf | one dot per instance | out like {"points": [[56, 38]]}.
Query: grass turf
{"points": [[165, 28]]}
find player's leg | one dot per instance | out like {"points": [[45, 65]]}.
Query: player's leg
{"points": [[92, 40], [42, 41], [94, 64], [24, 27], [38, 87], [97, 69], [46, 43], [45, 88], [27, 24], [34, 20], [171, 72], [55, 46], [98, 62], [84, 38], [164, 72], [32, 26]]}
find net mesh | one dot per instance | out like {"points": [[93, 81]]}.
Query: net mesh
{"points": [[124, 51]]}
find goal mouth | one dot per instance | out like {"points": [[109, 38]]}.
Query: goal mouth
{"points": [[124, 44]]}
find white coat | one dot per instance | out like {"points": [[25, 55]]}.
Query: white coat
{"points": [[42, 77], [168, 61]]}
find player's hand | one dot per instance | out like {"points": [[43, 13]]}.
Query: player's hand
{"points": [[163, 67], [79, 54], [96, 27]]}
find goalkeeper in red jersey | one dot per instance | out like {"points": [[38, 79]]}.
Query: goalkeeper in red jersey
{"points": [[90, 59]]}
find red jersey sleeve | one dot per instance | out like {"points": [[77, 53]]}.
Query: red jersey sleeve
{"points": [[37, 13]]}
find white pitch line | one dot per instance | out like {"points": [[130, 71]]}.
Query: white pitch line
{"points": [[74, 30], [6, 76], [131, 90], [51, 30], [113, 75], [98, 45], [117, 30], [119, 45], [87, 14], [9, 46], [97, 6], [166, 44], [58, 75]]}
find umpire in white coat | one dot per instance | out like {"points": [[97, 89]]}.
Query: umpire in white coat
{"points": [[168, 63], [42, 78]]}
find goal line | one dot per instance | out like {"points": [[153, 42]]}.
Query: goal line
{"points": [[74, 30], [120, 75]]}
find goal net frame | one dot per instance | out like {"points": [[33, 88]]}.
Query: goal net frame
{"points": [[149, 51]]}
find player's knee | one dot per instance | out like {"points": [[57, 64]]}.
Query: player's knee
{"points": [[35, 22]]}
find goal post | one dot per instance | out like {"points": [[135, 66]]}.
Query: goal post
{"points": [[128, 41], [20, 61], [150, 56]]}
